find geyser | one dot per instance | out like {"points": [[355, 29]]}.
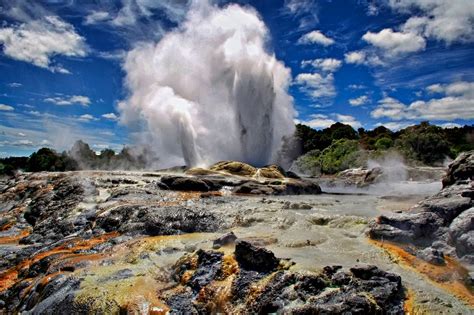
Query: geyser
{"points": [[209, 90]]}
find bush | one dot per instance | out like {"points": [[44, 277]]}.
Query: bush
{"points": [[309, 164], [383, 143], [341, 155]]}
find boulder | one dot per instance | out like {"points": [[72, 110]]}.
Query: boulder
{"points": [[234, 168], [272, 171], [461, 233], [226, 239], [255, 258], [462, 168], [185, 183]]}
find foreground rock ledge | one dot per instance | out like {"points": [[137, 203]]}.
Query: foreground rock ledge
{"points": [[440, 225], [251, 280]]}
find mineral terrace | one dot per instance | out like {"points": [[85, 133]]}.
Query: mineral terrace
{"points": [[234, 239]]}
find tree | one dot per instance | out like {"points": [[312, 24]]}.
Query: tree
{"points": [[45, 159], [425, 143]]}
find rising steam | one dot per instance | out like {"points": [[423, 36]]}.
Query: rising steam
{"points": [[209, 90]]}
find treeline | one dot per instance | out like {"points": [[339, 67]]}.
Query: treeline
{"points": [[326, 151], [80, 157], [340, 146]]}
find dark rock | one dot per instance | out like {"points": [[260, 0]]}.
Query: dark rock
{"points": [[301, 187], [253, 188], [293, 175], [184, 183], [224, 240], [255, 258], [153, 220], [208, 269], [460, 169]]}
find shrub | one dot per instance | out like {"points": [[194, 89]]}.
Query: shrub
{"points": [[340, 155], [383, 143]]}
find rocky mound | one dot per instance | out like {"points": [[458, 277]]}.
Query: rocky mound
{"points": [[440, 225], [241, 178], [254, 281]]}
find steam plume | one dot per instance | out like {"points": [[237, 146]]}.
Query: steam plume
{"points": [[209, 90]]}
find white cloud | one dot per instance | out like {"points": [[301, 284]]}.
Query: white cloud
{"points": [[457, 103], [110, 116], [7, 108], [461, 88], [69, 100], [450, 125], [395, 126], [316, 85], [348, 120], [316, 37], [356, 86], [356, 57], [324, 64], [445, 20], [296, 6], [96, 16], [362, 57], [86, 118], [361, 100], [34, 113], [395, 43], [38, 41], [14, 85], [320, 121]]}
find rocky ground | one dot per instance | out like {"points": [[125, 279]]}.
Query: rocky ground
{"points": [[231, 239]]}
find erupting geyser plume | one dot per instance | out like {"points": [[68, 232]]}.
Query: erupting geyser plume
{"points": [[209, 90]]}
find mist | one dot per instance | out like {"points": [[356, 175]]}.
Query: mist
{"points": [[397, 178], [209, 90]]}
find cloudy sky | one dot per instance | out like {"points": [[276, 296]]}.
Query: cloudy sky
{"points": [[361, 62]]}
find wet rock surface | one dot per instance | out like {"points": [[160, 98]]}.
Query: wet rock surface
{"points": [[274, 289], [442, 224], [117, 242]]}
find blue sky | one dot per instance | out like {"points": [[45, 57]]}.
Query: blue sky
{"points": [[364, 63]]}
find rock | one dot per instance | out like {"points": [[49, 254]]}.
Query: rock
{"points": [[460, 169], [254, 188], [301, 187], [216, 284], [461, 233], [272, 171], [443, 223], [255, 258], [293, 175], [432, 256], [224, 240], [154, 220], [234, 168], [184, 183], [201, 171]]}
